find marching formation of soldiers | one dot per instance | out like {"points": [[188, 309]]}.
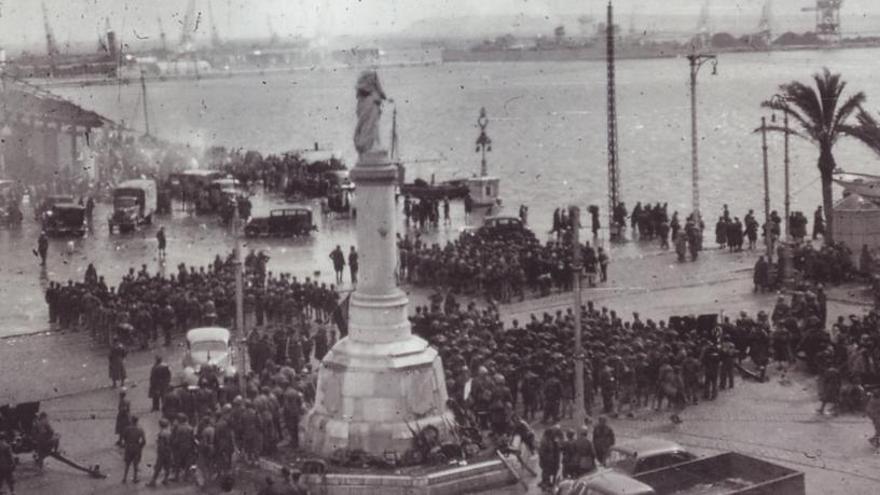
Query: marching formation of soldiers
{"points": [[145, 305], [501, 374]]}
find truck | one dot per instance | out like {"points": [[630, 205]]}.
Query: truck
{"points": [[134, 202], [730, 473]]}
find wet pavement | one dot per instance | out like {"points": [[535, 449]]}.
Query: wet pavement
{"points": [[192, 239], [775, 420]]}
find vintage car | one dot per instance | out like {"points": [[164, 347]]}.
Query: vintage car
{"points": [[502, 224], [65, 219], [47, 204], [604, 482], [281, 222], [646, 454], [209, 346]]}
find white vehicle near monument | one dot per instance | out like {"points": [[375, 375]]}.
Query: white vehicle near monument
{"points": [[209, 346]]}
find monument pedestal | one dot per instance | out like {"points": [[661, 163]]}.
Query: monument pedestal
{"points": [[381, 383]]}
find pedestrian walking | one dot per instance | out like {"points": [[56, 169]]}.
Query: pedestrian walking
{"points": [[42, 248], [761, 276], [134, 441], [446, 219], [117, 363], [594, 220], [549, 455], [160, 382], [829, 389], [818, 223], [586, 454], [163, 462], [160, 239], [123, 415], [603, 264], [353, 265], [872, 410], [603, 439], [338, 259], [7, 465]]}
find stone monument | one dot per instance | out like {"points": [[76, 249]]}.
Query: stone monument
{"points": [[381, 380]]}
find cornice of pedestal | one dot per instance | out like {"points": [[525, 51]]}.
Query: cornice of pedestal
{"points": [[374, 166]]}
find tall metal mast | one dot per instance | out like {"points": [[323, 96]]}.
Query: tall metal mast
{"points": [[613, 165], [51, 47]]}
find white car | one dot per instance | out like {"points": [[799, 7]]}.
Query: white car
{"points": [[209, 345]]}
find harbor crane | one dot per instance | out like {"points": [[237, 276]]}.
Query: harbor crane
{"points": [[765, 25], [827, 18], [186, 32]]}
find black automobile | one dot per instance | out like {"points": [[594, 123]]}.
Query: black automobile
{"points": [[65, 219], [281, 222], [502, 224]]}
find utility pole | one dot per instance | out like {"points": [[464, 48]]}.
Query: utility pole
{"points": [[239, 293], [580, 412], [768, 235], [787, 185], [696, 61], [146, 108], [613, 156], [780, 102]]}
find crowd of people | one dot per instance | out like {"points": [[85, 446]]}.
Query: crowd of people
{"points": [[425, 212], [209, 414], [845, 356], [146, 305], [528, 370], [501, 263]]}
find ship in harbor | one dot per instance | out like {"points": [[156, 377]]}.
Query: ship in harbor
{"points": [[559, 46], [561, 49]]}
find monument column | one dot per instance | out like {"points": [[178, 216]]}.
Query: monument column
{"points": [[380, 381]]}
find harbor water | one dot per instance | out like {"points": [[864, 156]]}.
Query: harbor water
{"points": [[547, 123]]}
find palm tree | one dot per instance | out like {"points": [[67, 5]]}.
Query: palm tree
{"points": [[822, 115]]}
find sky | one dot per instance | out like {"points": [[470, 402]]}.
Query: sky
{"points": [[78, 21]]}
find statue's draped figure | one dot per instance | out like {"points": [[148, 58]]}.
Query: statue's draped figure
{"points": [[369, 110]]}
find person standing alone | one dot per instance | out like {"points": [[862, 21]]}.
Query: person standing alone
{"points": [[353, 265], [43, 248], [160, 238], [134, 441], [338, 263]]}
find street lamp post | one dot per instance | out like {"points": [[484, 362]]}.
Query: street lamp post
{"points": [[696, 61], [484, 143], [768, 231]]}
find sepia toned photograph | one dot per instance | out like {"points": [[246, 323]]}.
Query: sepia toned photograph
{"points": [[609, 247]]}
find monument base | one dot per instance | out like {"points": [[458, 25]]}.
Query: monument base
{"points": [[372, 396], [474, 477]]}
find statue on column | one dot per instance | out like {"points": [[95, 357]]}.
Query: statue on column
{"points": [[369, 111]]}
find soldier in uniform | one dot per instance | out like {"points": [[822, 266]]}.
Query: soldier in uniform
{"points": [[164, 459], [133, 442]]}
